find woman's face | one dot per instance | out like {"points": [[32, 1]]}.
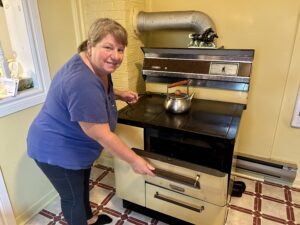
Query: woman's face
{"points": [[106, 56]]}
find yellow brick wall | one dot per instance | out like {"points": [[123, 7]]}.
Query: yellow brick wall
{"points": [[128, 76]]}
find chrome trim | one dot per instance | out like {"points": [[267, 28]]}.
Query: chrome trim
{"points": [[244, 59], [176, 202], [196, 76], [187, 181]]}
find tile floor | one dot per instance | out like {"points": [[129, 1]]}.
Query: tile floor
{"points": [[263, 203]]}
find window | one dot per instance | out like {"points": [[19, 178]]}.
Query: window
{"points": [[27, 46]]}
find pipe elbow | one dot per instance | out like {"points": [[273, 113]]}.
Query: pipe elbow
{"points": [[201, 22], [175, 20]]}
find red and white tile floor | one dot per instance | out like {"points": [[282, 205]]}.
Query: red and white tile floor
{"points": [[262, 203]]}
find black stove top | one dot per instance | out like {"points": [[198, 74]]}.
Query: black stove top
{"points": [[212, 118]]}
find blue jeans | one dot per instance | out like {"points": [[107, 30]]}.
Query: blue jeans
{"points": [[73, 189]]}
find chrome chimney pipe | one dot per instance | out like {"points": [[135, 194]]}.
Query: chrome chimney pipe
{"points": [[174, 20]]}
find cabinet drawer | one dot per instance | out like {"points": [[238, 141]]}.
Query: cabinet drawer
{"points": [[184, 207]]}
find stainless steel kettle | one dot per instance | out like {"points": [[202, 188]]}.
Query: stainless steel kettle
{"points": [[178, 102]]}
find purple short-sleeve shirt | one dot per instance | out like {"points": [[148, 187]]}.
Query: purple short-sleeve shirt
{"points": [[75, 94]]}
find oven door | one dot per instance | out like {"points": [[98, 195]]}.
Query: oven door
{"points": [[208, 151]]}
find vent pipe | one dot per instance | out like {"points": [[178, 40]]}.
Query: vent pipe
{"points": [[175, 20]]}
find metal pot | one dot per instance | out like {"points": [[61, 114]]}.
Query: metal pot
{"points": [[178, 102]]}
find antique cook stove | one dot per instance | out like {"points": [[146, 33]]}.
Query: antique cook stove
{"points": [[192, 152]]}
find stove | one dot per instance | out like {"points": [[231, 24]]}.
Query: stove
{"points": [[193, 151], [213, 118]]}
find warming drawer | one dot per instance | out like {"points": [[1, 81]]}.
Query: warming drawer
{"points": [[198, 182], [179, 189], [184, 207]]}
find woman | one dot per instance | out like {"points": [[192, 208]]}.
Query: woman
{"points": [[78, 119]]}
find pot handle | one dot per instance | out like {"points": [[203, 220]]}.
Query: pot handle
{"points": [[183, 82]]}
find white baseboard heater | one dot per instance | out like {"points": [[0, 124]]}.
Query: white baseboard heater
{"points": [[269, 169]]}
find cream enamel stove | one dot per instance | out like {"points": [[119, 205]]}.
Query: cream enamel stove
{"points": [[193, 151]]}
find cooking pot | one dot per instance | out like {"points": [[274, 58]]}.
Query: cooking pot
{"points": [[178, 102]]}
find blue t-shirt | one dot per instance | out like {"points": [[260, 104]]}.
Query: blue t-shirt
{"points": [[76, 94]]}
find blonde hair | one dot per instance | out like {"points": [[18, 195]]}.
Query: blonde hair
{"points": [[100, 29]]}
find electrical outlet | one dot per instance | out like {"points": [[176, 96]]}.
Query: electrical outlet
{"points": [[296, 115]]}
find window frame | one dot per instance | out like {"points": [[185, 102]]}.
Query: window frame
{"points": [[42, 79]]}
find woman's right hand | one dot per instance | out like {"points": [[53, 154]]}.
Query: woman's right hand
{"points": [[102, 134], [141, 166]]}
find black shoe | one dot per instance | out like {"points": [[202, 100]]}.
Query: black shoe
{"points": [[238, 188], [103, 219]]}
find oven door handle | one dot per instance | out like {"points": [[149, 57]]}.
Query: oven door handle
{"points": [[194, 183], [179, 203]]}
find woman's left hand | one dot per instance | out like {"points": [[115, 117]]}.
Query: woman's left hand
{"points": [[130, 97]]}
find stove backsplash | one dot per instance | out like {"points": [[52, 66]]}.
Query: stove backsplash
{"points": [[214, 74], [203, 93]]}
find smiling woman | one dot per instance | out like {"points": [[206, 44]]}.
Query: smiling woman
{"points": [[78, 119], [25, 54]]}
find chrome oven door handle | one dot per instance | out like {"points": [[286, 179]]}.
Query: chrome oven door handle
{"points": [[194, 183], [176, 202]]}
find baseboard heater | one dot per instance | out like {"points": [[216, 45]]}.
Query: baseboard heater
{"points": [[269, 169]]}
